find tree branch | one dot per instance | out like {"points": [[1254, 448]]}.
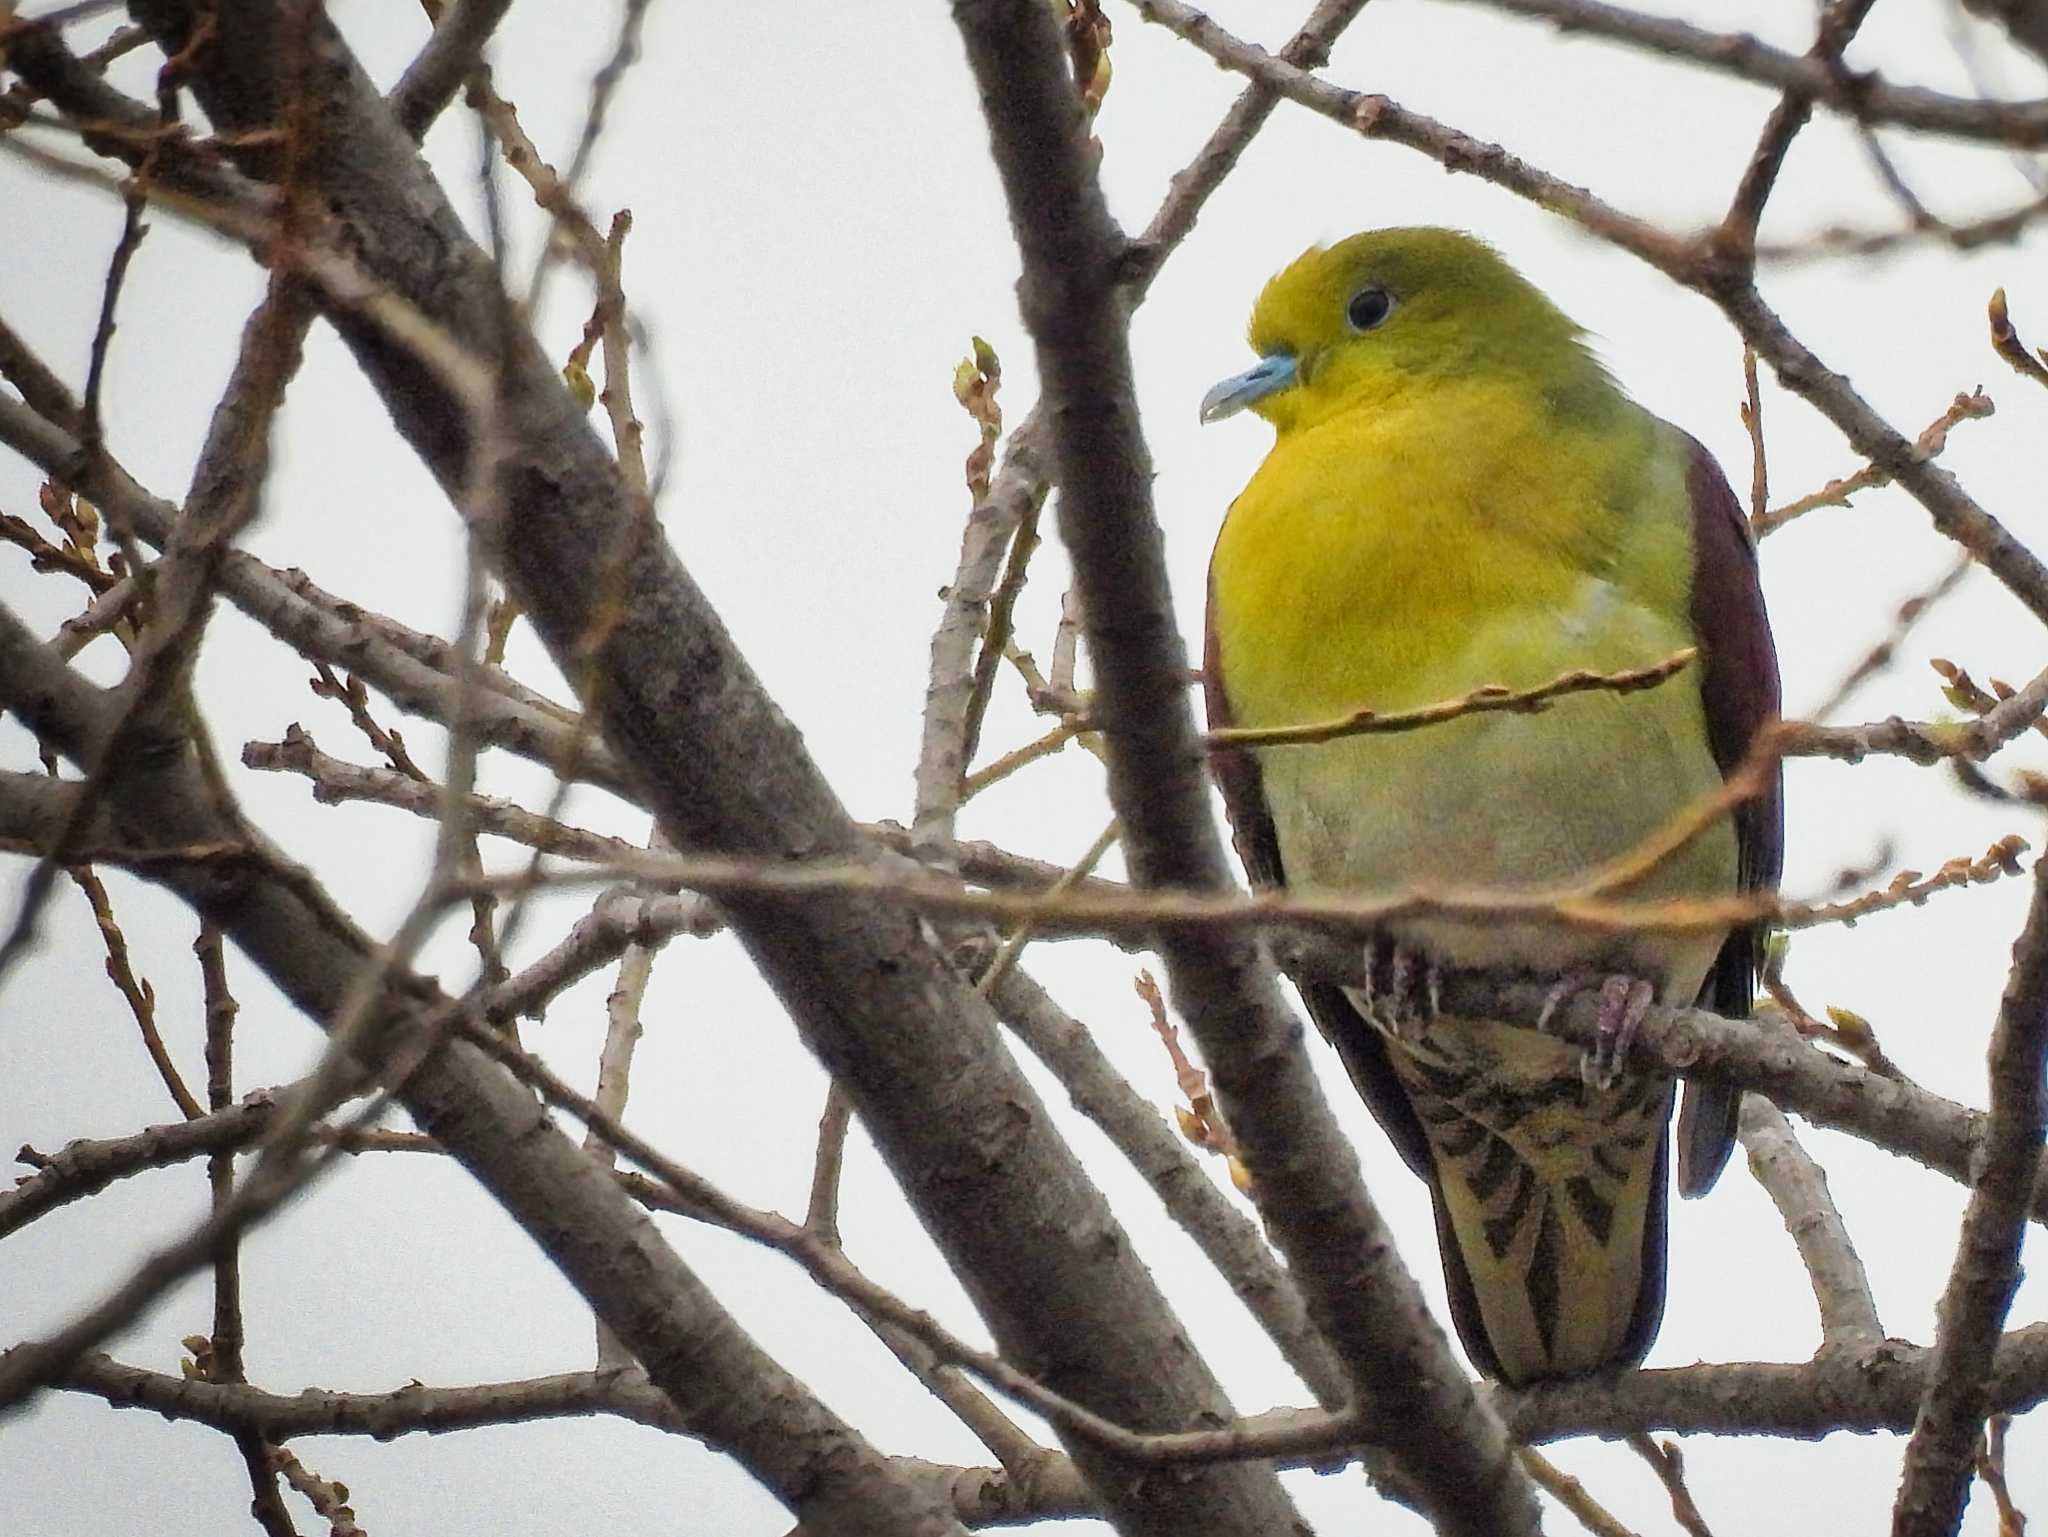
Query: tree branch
{"points": [[718, 1379], [452, 54], [1798, 1187], [1037, 1246], [1940, 1459], [1861, 1388], [1399, 1366], [2021, 124], [1695, 264]]}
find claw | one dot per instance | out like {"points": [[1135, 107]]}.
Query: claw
{"points": [[1560, 990], [1623, 1003], [1624, 1000], [1399, 1009]]}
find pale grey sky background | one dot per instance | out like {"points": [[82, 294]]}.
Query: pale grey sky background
{"points": [[817, 235]]}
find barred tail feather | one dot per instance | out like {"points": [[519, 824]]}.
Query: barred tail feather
{"points": [[1550, 1204]]}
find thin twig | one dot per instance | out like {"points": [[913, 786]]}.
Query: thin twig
{"points": [[1991, 1469], [995, 639], [1972, 406], [1959, 235], [1571, 1494], [1014, 943], [2001, 719], [996, 770], [821, 1213], [140, 996], [328, 1498], [2006, 342], [1668, 1462], [1870, 98], [1910, 888], [1484, 700], [1736, 233], [222, 1357], [1753, 423]]}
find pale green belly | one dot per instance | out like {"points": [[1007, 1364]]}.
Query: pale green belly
{"points": [[1515, 804]]}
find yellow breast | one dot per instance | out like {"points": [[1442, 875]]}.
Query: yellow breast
{"points": [[1397, 556]]}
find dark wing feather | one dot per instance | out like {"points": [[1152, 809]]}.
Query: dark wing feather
{"points": [[1739, 689]]}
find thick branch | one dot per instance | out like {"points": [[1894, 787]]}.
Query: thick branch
{"points": [[1940, 1458], [977, 1155], [1363, 1298], [719, 1381], [1798, 1187], [1232, 1242], [451, 54], [1864, 1388]]}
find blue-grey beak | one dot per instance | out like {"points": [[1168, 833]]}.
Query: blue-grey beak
{"points": [[1268, 376]]}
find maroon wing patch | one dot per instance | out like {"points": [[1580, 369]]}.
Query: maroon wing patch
{"points": [[1740, 692]]}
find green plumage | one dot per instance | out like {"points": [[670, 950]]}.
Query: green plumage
{"points": [[1460, 496]]}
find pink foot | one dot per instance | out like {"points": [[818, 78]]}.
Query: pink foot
{"points": [[1402, 991], [1624, 1000]]}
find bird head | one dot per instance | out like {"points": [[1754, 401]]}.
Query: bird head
{"points": [[1371, 318]]}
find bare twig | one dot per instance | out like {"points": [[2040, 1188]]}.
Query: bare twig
{"points": [[1991, 1469], [995, 639], [1736, 234], [1909, 888], [1941, 1454], [2006, 342], [1753, 423], [221, 1354], [1960, 235], [1869, 98], [1972, 406], [140, 996], [1798, 1187], [1015, 493], [1484, 700], [1668, 1462], [2000, 720], [1571, 1494], [1013, 943], [821, 1213], [996, 770], [330, 1500]]}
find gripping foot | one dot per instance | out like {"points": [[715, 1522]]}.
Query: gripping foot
{"points": [[1402, 991], [1624, 1000]]}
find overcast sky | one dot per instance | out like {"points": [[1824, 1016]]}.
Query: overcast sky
{"points": [[817, 235]]}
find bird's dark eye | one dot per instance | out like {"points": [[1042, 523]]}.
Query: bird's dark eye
{"points": [[1369, 307]]}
